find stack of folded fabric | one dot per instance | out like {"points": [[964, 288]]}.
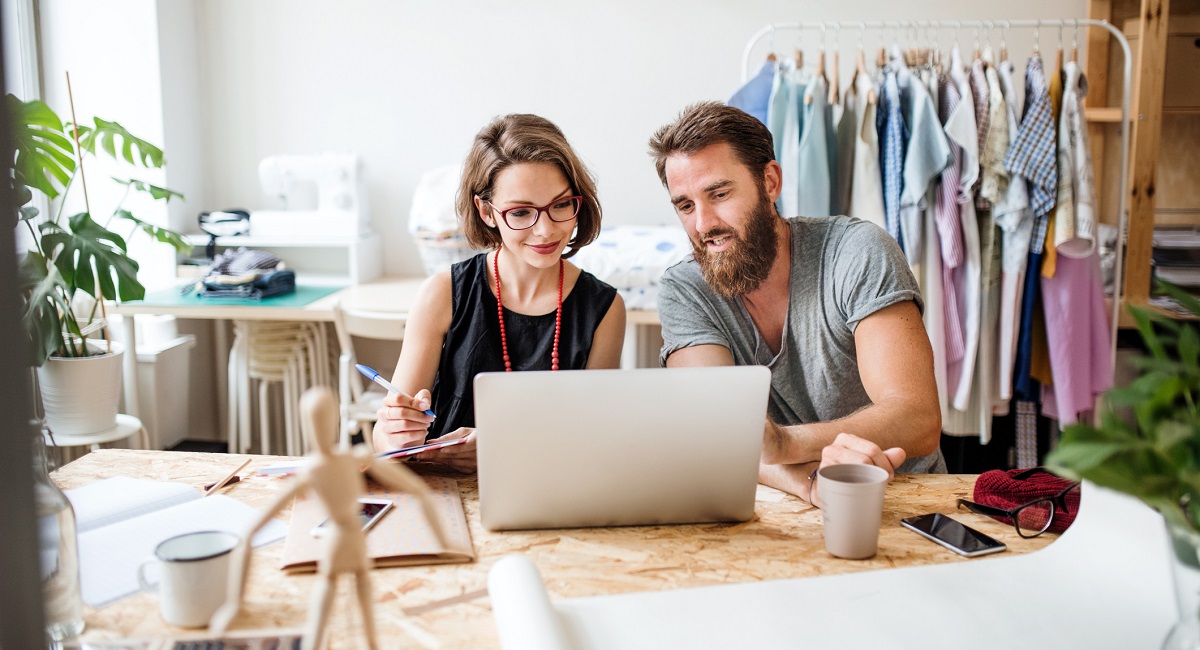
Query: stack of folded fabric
{"points": [[246, 274]]}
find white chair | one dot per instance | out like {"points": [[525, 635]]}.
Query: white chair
{"points": [[359, 405], [291, 354]]}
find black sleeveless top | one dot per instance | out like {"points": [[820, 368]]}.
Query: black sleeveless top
{"points": [[472, 343]]}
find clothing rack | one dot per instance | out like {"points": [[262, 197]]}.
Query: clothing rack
{"points": [[914, 26]]}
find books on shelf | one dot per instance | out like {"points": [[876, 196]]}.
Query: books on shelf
{"points": [[401, 538]]}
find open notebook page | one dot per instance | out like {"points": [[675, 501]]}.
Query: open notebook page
{"points": [[121, 497], [109, 556]]}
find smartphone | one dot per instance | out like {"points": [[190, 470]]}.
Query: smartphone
{"points": [[370, 511], [957, 537], [409, 451]]}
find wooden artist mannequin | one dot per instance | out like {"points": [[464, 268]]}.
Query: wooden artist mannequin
{"points": [[335, 478]]}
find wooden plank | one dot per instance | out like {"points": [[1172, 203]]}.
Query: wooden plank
{"points": [[1107, 114], [1147, 129], [1096, 102]]}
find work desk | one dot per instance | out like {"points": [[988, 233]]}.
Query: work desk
{"points": [[447, 606]]}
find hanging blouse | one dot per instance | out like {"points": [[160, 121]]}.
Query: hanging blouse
{"points": [[755, 96]]}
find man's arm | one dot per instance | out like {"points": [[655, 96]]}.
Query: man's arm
{"points": [[895, 363]]}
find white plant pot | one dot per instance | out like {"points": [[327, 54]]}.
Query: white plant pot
{"points": [[81, 395]]}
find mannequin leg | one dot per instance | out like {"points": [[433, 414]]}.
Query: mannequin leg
{"points": [[367, 606], [318, 612]]}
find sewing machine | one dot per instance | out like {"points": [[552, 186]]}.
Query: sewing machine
{"points": [[315, 196]]}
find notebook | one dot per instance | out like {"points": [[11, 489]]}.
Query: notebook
{"points": [[619, 447], [121, 520], [402, 537]]}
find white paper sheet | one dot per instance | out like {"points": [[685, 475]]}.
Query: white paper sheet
{"points": [[120, 497], [524, 615], [1104, 584], [109, 557]]}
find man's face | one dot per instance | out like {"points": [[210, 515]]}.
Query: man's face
{"points": [[728, 215]]}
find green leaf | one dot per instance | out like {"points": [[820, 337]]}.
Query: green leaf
{"points": [[89, 244], [1170, 433], [1189, 346], [1145, 324], [28, 212], [133, 149], [1083, 456], [165, 235], [46, 299], [155, 192], [44, 156]]}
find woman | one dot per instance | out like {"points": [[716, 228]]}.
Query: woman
{"points": [[526, 195]]}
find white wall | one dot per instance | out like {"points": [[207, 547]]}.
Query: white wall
{"points": [[406, 84], [111, 50]]}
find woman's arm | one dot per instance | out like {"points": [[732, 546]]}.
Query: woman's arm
{"points": [[609, 338], [401, 422]]}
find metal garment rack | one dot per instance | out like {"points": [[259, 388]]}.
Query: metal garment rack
{"points": [[915, 26]]}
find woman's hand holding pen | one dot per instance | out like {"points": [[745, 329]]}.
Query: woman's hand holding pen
{"points": [[402, 421]]}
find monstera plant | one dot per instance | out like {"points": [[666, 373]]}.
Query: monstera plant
{"points": [[83, 254], [76, 262]]}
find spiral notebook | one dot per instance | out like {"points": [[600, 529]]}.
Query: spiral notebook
{"points": [[401, 538]]}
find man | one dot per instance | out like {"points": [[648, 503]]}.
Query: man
{"points": [[829, 305]]}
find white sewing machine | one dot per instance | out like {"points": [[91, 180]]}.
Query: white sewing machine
{"points": [[315, 196]]}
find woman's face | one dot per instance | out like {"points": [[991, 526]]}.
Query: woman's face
{"points": [[521, 190]]}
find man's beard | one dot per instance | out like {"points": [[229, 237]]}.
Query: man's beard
{"points": [[741, 268]]}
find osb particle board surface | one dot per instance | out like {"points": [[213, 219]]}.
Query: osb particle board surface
{"points": [[783, 541]]}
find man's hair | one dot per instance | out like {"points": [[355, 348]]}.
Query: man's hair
{"points": [[707, 123], [513, 140]]}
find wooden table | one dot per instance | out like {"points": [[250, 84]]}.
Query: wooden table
{"points": [[447, 607]]}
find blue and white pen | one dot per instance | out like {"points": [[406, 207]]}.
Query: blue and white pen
{"points": [[374, 376]]}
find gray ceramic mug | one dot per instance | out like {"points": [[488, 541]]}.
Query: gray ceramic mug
{"points": [[852, 508]]}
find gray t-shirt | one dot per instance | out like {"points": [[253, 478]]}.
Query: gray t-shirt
{"points": [[843, 270]]}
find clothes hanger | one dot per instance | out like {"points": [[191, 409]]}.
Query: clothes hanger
{"points": [[860, 65], [975, 55], [1003, 41], [800, 50], [808, 98], [833, 73], [771, 52], [1075, 40], [1037, 37], [1058, 56]]}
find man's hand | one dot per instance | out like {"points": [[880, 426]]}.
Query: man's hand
{"points": [[848, 449], [401, 422]]}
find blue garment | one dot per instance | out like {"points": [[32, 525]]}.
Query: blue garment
{"points": [[755, 96], [1033, 152], [813, 177], [1025, 387], [892, 141]]}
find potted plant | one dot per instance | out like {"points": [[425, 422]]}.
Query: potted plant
{"points": [[1156, 456], [77, 262]]}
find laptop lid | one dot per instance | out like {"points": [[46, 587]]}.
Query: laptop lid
{"points": [[619, 447]]}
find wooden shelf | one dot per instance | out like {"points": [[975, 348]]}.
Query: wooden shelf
{"points": [[1104, 114]]}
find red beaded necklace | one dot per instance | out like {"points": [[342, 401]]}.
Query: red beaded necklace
{"points": [[500, 314]]}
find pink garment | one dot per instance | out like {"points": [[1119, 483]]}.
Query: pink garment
{"points": [[1077, 335]]}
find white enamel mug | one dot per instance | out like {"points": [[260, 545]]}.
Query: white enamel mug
{"points": [[193, 575]]}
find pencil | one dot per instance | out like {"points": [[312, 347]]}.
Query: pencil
{"points": [[221, 483]]}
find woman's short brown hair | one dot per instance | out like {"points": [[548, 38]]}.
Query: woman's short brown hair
{"points": [[513, 140], [707, 123]]}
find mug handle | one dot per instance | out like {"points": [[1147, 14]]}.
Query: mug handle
{"points": [[141, 575]]}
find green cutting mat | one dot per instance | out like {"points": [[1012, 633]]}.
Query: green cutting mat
{"points": [[303, 295]]}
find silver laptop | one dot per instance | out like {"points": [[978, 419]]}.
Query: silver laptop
{"points": [[619, 447]]}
